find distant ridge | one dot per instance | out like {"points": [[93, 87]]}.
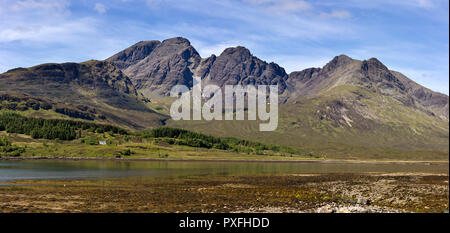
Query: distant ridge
{"points": [[154, 67]]}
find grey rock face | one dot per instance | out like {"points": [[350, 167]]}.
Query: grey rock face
{"points": [[205, 66], [133, 54], [376, 72], [175, 61], [337, 62], [238, 66], [304, 75], [167, 64]]}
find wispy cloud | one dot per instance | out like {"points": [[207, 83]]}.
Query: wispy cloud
{"points": [[339, 14], [100, 8], [388, 5], [281, 6], [56, 31], [424, 3], [43, 22], [45, 5], [34, 32]]}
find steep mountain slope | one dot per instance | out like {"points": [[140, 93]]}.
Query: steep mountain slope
{"points": [[435, 102], [165, 65], [371, 75], [133, 54], [343, 70], [345, 122], [96, 88], [174, 61], [238, 66]]}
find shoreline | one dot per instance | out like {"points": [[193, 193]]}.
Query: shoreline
{"points": [[327, 193], [400, 162]]}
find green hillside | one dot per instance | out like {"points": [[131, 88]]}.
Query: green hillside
{"points": [[345, 122]]}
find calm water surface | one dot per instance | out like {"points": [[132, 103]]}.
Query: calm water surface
{"points": [[62, 169]]}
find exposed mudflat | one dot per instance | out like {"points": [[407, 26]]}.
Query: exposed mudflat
{"points": [[306, 193]]}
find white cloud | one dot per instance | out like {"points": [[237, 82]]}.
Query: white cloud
{"points": [[43, 5], [290, 6], [339, 14], [43, 22], [424, 3], [34, 32], [281, 6], [100, 8], [253, 17], [385, 4], [47, 33]]}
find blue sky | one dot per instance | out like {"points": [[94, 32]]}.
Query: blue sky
{"points": [[410, 36]]}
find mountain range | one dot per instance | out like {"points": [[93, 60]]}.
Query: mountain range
{"points": [[346, 108]]}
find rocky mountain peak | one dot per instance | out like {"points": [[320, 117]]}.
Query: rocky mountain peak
{"points": [[174, 46], [373, 63], [337, 62], [177, 40], [343, 58], [169, 63], [237, 65], [376, 73], [238, 53]]}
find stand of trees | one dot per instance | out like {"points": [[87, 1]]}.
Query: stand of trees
{"points": [[69, 130], [189, 138], [8, 149], [51, 128]]}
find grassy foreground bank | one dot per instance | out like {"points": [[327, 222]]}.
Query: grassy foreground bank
{"points": [[22, 136], [131, 147], [27, 137]]}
